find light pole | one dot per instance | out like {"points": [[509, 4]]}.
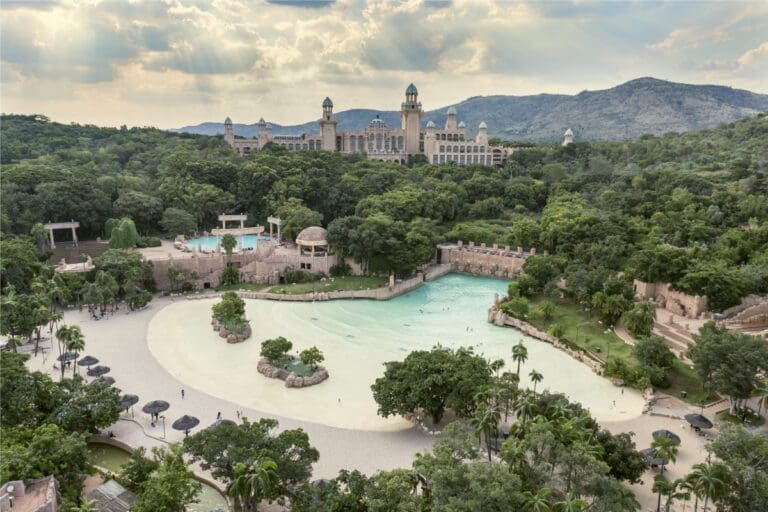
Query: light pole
{"points": [[163, 418]]}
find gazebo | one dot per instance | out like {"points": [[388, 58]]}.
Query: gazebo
{"points": [[312, 241]]}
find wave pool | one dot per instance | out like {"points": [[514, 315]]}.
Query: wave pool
{"points": [[357, 337]]}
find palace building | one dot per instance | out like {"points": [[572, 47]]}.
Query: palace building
{"points": [[381, 142]]}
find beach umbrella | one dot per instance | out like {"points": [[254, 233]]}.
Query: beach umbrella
{"points": [[698, 421], [667, 434], [155, 407], [103, 381], [98, 371], [650, 455], [185, 424], [87, 361], [127, 401], [67, 356]]}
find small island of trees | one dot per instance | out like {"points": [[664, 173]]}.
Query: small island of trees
{"points": [[297, 372], [229, 318]]}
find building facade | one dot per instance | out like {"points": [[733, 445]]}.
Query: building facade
{"points": [[381, 142]]}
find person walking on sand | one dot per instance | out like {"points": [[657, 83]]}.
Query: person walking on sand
{"points": [[182, 393]]}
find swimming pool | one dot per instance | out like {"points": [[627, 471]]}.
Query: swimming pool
{"points": [[112, 458], [208, 243]]}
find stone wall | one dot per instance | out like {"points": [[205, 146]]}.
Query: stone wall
{"points": [[231, 337], [493, 261], [679, 303], [291, 379]]}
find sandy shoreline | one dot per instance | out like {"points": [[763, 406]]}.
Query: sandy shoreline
{"points": [[123, 343]]}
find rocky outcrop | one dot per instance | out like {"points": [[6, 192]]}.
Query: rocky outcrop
{"points": [[231, 337], [291, 379]]}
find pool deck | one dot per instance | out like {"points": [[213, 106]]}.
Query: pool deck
{"points": [[121, 343]]}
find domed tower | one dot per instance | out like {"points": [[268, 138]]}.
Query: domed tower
{"points": [[568, 137], [229, 132], [265, 133], [450, 120], [430, 141], [410, 117], [482, 134], [328, 126]]}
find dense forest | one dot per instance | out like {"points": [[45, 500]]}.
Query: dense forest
{"points": [[690, 209], [686, 208]]}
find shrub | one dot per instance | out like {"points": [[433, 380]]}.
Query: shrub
{"points": [[140, 300], [148, 241], [516, 306], [291, 275], [275, 349], [340, 269], [230, 275], [311, 357], [230, 310], [557, 331]]}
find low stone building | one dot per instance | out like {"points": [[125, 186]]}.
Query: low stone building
{"points": [[679, 303], [33, 496], [495, 261], [113, 497]]}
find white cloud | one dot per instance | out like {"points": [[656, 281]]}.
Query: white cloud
{"points": [[172, 62]]}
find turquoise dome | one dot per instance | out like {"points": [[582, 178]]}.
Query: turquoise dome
{"points": [[327, 102], [411, 90]]}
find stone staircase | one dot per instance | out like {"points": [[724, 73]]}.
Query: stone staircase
{"points": [[676, 337]]}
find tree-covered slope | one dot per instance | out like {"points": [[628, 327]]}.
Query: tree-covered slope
{"points": [[639, 107]]}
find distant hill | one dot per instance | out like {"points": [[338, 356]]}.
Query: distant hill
{"points": [[632, 109]]}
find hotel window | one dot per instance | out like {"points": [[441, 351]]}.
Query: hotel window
{"points": [[475, 149], [482, 149], [455, 149], [461, 149], [442, 159], [442, 149], [461, 159], [434, 159]]}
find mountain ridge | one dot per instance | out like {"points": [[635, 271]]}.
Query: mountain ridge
{"points": [[644, 105]]}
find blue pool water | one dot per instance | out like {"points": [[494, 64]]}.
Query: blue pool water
{"points": [[209, 242]]}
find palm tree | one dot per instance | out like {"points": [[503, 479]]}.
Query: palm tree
{"points": [[13, 343], [88, 506], [228, 243], [525, 408], [519, 355], [75, 343], [662, 486], [486, 423], [40, 318], [253, 483], [537, 502], [640, 319], [545, 310], [680, 490], [63, 335], [762, 401], [570, 504], [664, 448], [708, 480], [536, 377]]}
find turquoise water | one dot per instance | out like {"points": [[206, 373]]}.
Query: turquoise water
{"points": [[111, 458], [209, 242], [357, 338]]}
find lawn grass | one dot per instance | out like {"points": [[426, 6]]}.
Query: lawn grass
{"points": [[332, 284], [294, 365], [249, 287], [585, 331], [753, 420]]}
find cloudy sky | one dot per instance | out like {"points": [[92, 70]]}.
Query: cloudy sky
{"points": [[169, 63]]}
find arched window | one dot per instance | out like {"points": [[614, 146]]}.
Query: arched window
{"points": [[312, 145], [290, 147], [379, 141]]}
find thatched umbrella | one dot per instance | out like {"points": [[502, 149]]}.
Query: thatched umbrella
{"points": [[155, 407], [185, 424], [128, 401], [98, 371], [668, 435], [698, 421], [67, 356], [650, 455], [87, 361], [103, 381]]}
